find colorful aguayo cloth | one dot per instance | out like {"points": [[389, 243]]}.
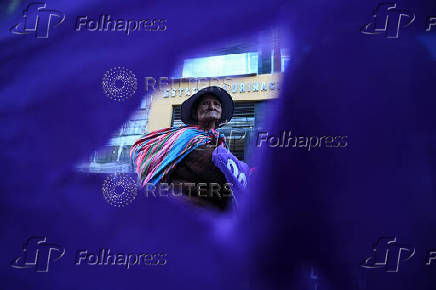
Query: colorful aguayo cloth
{"points": [[157, 153]]}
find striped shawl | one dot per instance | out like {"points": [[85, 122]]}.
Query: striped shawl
{"points": [[155, 154]]}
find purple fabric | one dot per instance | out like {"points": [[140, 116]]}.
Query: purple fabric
{"points": [[321, 208], [235, 171]]}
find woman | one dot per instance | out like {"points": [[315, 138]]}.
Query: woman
{"points": [[194, 158]]}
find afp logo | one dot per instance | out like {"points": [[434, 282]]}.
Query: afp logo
{"points": [[38, 20], [38, 254]]}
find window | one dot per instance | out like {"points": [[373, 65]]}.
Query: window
{"points": [[285, 58], [221, 65], [107, 154]]}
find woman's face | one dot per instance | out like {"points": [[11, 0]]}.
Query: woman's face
{"points": [[208, 110]]}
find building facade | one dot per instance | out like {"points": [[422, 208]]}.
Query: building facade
{"points": [[251, 94], [249, 69]]}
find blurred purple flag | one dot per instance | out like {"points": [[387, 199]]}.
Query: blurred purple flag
{"points": [[308, 223]]}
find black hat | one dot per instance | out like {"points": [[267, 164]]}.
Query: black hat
{"points": [[227, 105]]}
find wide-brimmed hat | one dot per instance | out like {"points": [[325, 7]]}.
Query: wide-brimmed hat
{"points": [[227, 105]]}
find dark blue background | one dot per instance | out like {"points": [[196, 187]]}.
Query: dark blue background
{"points": [[324, 208]]}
